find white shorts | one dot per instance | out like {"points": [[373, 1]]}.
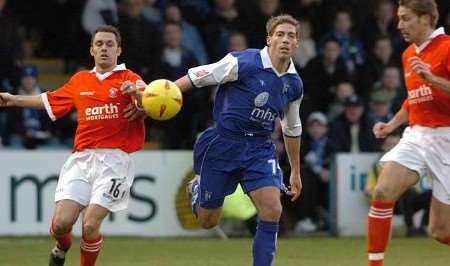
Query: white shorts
{"points": [[426, 151], [97, 176]]}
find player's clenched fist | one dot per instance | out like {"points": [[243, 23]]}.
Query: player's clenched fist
{"points": [[381, 130], [420, 68], [6, 99]]}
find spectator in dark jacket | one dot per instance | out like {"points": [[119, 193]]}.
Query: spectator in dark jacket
{"points": [[321, 74], [352, 132], [11, 50], [141, 40]]}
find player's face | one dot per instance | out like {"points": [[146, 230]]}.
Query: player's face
{"points": [[105, 51], [413, 27], [283, 41]]}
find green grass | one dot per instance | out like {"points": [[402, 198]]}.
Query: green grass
{"points": [[316, 251]]}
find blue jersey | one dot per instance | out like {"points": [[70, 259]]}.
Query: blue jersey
{"points": [[251, 93]]}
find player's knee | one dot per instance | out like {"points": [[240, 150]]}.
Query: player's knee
{"points": [[440, 233], [61, 226], [382, 194], [90, 229], [208, 221], [271, 212]]}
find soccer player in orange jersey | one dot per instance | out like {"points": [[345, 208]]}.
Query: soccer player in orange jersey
{"points": [[425, 144], [98, 175]]}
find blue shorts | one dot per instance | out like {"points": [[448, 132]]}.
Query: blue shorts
{"points": [[222, 161]]}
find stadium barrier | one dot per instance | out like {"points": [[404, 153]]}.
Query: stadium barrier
{"points": [[349, 205], [28, 181], [348, 201]]}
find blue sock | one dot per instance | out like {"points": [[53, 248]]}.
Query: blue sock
{"points": [[264, 244]]}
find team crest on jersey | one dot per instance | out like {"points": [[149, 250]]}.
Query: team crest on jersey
{"points": [[113, 92], [262, 83], [261, 99]]}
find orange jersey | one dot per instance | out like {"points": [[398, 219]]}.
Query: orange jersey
{"points": [[99, 104], [427, 104]]}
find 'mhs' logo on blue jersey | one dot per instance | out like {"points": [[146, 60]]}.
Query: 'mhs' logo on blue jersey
{"points": [[259, 113]]}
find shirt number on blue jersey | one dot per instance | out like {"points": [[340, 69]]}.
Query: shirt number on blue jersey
{"points": [[274, 164]]}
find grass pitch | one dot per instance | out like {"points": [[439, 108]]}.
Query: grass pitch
{"points": [[315, 251]]}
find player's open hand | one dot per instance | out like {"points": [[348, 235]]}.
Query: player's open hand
{"points": [[131, 112], [6, 99], [295, 186], [420, 68], [381, 130]]}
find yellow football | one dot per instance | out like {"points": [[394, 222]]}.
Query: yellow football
{"points": [[162, 99]]}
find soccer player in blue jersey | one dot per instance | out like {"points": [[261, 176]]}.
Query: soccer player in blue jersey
{"points": [[255, 87]]}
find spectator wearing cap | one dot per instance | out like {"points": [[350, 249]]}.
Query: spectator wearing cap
{"points": [[352, 131], [315, 156], [380, 107], [343, 90], [30, 125]]}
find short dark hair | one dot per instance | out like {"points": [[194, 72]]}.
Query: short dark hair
{"points": [[111, 29], [422, 7]]}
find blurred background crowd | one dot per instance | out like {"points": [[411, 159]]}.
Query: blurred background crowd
{"points": [[349, 60]]}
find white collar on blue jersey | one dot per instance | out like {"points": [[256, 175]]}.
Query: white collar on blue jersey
{"points": [[433, 35], [267, 63], [107, 74]]}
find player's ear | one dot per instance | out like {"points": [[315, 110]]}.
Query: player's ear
{"points": [[268, 40], [91, 51], [119, 51]]}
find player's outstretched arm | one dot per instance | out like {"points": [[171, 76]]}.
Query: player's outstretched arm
{"points": [[184, 83], [220, 72], [9, 100]]}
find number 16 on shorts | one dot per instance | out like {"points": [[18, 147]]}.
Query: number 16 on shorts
{"points": [[117, 189]]}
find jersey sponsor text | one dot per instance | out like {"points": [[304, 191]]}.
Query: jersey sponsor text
{"points": [[107, 111], [422, 94]]}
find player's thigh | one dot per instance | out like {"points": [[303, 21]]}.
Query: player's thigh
{"points": [[217, 164], [440, 218], [112, 185], [73, 183], [66, 213], [94, 214], [267, 202], [394, 180]]}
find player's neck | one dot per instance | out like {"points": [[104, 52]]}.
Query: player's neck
{"points": [[281, 65], [103, 69], [422, 39]]}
